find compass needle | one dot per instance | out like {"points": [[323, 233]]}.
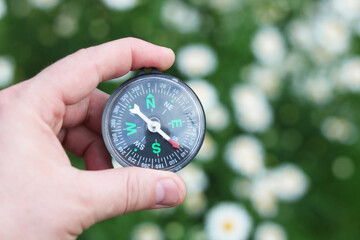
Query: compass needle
{"points": [[152, 99]]}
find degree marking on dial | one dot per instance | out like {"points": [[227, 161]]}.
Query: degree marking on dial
{"points": [[131, 95], [142, 88], [185, 145], [187, 108], [121, 105], [139, 160], [177, 156]]}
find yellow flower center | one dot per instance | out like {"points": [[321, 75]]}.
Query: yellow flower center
{"points": [[228, 226]]}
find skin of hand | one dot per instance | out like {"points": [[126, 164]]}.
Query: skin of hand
{"points": [[41, 195]]}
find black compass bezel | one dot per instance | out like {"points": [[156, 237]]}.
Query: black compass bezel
{"points": [[142, 75]]}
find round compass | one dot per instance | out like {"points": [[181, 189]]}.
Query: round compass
{"points": [[153, 121]]}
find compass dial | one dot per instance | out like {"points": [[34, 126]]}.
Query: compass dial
{"points": [[153, 121]]}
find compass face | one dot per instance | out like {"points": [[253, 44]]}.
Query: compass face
{"points": [[153, 121]]}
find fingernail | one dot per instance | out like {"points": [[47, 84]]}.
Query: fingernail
{"points": [[167, 192]]}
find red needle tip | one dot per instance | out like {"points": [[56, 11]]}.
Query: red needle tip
{"points": [[174, 144]]}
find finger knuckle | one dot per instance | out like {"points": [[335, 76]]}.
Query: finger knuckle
{"points": [[132, 192]]}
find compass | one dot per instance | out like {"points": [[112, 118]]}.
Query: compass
{"points": [[153, 121]]}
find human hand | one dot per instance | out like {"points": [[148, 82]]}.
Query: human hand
{"points": [[41, 195]]}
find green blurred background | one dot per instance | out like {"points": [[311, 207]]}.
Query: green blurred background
{"points": [[314, 126]]}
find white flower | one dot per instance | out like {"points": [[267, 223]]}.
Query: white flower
{"points": [[228, 221], [343, 167], [245, 155], [3, 8], [339, 130], [270, 231], [318, 88], [44, 4], [349, 74], [262, 195], [265, 78], [147, 231], [195, 178], [195, 204], [289, 182], [196, 60], [7, 71], [120, 5], [346, 9], [253, 112], [208, 149], [301, 34], [332, 34], [217, 117], [180, 16], [268, 46], [205, 92]]}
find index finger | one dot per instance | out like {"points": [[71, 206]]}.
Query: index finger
{"points": [[77, 75]]}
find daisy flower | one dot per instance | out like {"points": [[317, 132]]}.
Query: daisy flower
{"points": [[120, 5], [195, 178], [196, 60], [346, 9], [301, 34], [270, 231], [263, 196], [318, 88], [217, 117], [349, 74], [180, 16], [340, 130], [245, 155], [267, 79], [147, 231], [228, 221], [331, 34], [195, 204], [289, 182], [268, 46], [253, 112]]}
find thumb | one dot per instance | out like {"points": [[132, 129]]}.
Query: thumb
{"points": [[115, 192]]}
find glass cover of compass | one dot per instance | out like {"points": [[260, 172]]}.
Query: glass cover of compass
{"points": [[153, 121]]}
